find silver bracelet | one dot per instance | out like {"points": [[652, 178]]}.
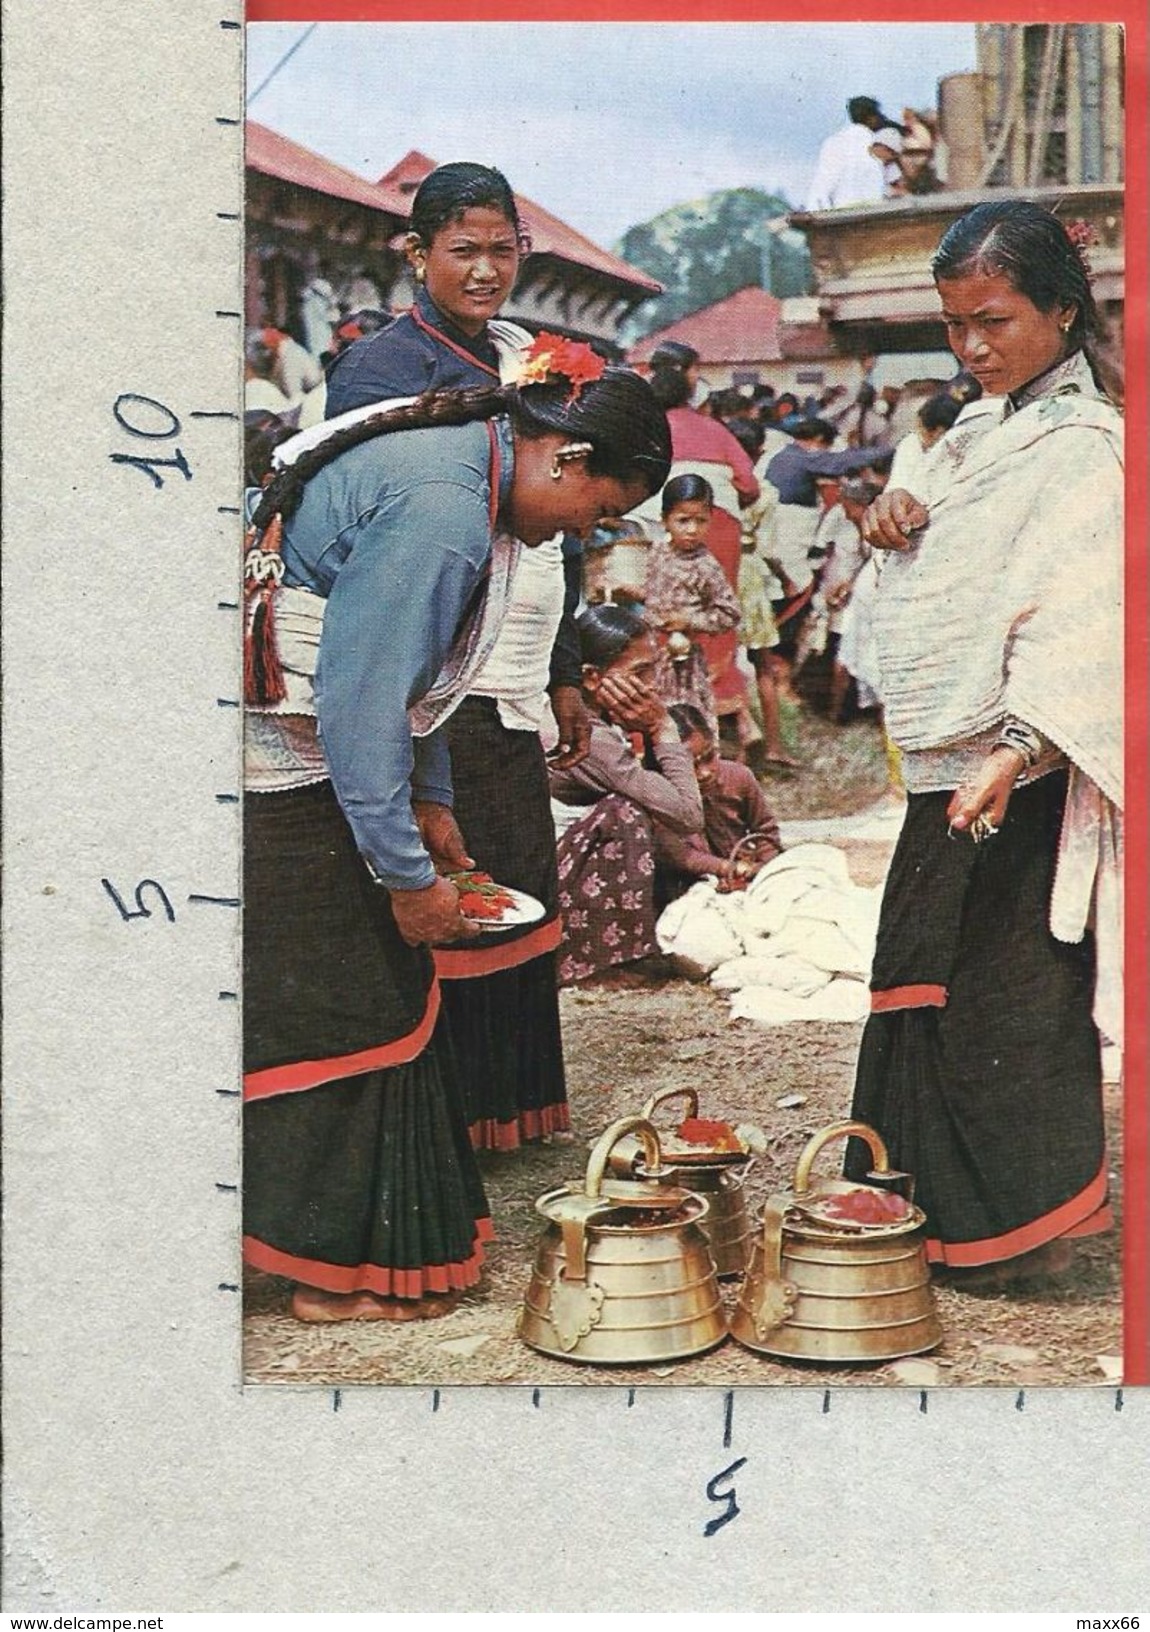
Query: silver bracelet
{"points": [[1022, 739]]}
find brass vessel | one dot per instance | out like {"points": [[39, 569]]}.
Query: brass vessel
{"points": [[718, 1176], [819, 1288], [623, 1274]]}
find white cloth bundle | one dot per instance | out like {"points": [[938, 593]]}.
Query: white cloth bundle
{"points": [[797, 944], [839, 1002], [782, 972], [701, 930]]}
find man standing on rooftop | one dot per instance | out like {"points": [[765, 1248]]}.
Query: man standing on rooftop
{"points": [[858, 164]]}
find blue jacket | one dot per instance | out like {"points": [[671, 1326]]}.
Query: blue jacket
{"points": [[396, 536]]}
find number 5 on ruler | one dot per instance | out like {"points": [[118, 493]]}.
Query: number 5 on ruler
{"points": [[715, 1494]]}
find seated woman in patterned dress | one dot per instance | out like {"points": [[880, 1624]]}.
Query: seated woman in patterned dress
{"points": [[638, 770]]}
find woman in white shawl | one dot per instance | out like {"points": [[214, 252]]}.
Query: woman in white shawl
{"points": [[999, 626]]}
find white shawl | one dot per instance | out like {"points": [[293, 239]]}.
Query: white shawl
{"points": [[1010, 603]]}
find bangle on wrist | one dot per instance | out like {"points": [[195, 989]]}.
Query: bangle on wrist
{"points": [[1022, 740]]}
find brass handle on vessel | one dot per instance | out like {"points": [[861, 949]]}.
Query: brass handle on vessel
{"points": [[773, 1300], [574, 1224], [597, 1163], [838, 1130], [665, 1094]]}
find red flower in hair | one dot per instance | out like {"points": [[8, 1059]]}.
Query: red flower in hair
{"points": [[574, 360], [1081, 234]]}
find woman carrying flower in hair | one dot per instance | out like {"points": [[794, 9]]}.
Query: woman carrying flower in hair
{"points": [[999, 630], [378, 573]]}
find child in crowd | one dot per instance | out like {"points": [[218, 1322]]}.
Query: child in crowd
{"points": [[759, 570], [740, 833], [688, 598]]}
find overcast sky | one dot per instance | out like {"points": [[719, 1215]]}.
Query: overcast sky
{"points": [[605, 125]]}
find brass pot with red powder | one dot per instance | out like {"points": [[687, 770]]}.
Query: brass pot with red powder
{"points": [[838, 1271], [708, 1157]]}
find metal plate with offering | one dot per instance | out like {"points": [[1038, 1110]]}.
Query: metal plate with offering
{"points": [[489, 907]]}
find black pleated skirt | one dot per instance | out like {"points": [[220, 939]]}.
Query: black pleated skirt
{"points": [[981, 1065], [358, 1171], [500, 991]]}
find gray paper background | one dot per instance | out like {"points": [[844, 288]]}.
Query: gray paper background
{"points": [[140, 1476]]}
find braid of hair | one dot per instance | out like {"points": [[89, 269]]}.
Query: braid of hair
{"points": [[459, 407], [264, 681]]}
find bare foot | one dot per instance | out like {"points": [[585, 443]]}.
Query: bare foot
{"points": [[309, 1303], [782, 759]]}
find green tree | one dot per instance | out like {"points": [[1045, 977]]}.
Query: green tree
{"points": [[710, 248]]}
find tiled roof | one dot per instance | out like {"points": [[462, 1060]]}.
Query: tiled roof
{"points": [[549, 235], [274, 155], [743, 328]]}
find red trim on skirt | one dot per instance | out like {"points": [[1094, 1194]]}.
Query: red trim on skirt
{"points": [[470, 963], [908, 997], [301, 1074], [491, 1135], [388, 1283], [1087, 1213]]}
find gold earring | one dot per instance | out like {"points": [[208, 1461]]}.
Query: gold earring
{"points": [[420, 274], [556, 469]]}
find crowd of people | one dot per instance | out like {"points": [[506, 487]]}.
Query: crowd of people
{"points": [[441, 677]]}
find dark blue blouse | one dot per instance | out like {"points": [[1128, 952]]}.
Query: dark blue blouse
{"points": [[420, 350], [423, 350], [793, 472]]}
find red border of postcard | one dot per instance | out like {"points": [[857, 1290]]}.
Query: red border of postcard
{"points": [[1132, 15]]}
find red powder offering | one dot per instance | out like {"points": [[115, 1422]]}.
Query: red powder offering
{"points": [[480, 896], [866, 1207], [697, 1130]]}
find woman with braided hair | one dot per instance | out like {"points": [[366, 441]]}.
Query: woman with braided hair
{"points": [[384, 554], [998, 622]]}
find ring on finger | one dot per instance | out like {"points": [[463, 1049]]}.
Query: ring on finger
{"points": [[982, 828]]}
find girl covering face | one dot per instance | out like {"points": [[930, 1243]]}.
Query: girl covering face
{"points": [[605, 805], [624, 692]]}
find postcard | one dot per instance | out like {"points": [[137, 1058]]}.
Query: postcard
{"points": [[565, 1036], [762, 250]]}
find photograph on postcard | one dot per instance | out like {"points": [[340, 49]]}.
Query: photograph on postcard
{"points": [[683, 665]]}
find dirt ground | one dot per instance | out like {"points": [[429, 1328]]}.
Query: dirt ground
{"points": [[641, 1030]]}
